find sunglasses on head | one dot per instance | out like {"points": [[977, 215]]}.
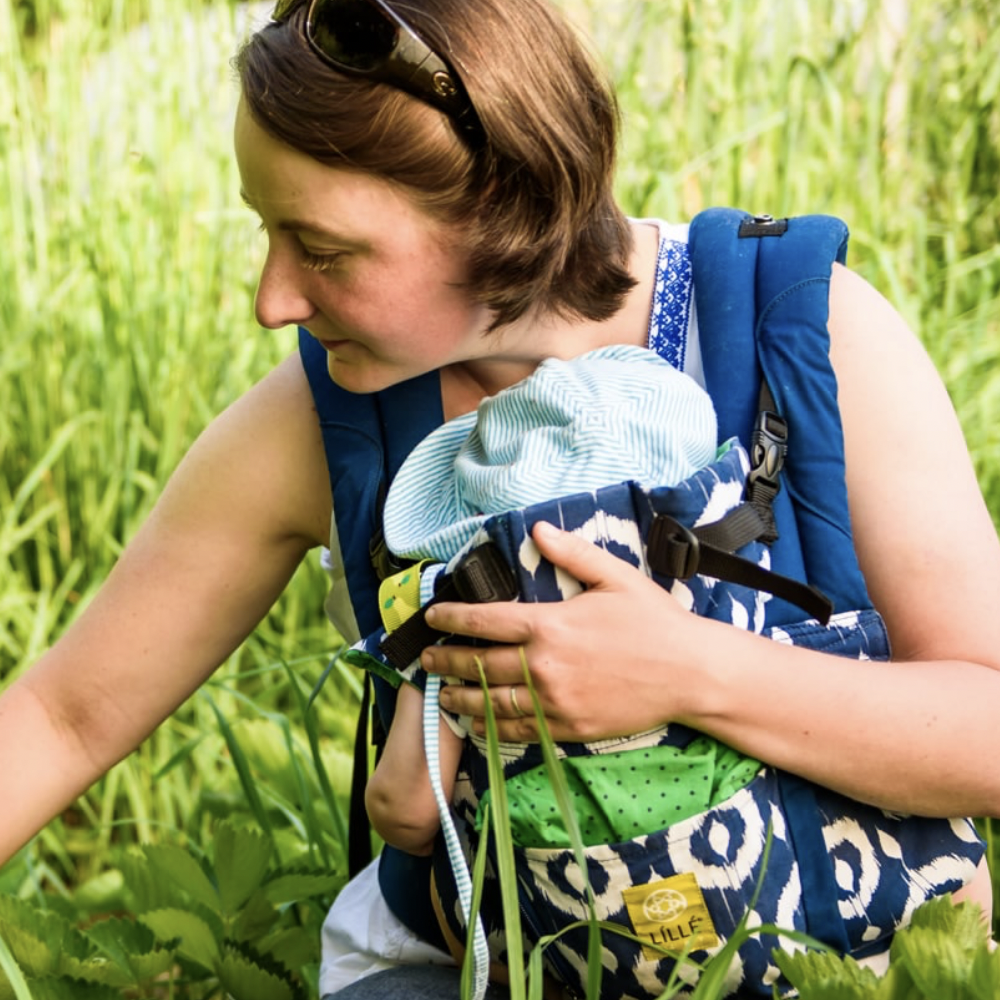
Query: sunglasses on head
{"points": [[367, 38]]}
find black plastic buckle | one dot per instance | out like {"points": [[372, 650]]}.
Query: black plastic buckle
{"points": [[483, 576], [672, 549], [768, 448], [762, 225]]}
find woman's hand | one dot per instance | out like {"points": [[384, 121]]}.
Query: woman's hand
{"points": [[599, 662]]}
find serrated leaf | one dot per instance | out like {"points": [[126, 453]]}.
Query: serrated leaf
{"points": [[72, 989], [45, 926], [289, 887], [937, 963], [255, 919], [197, 940], [179, 867], [118, 938], [293, 947], [97, 969], [145, 885], [963, 922], [34, 956], [984, 977], [827, 976], [242, 856], [133, 948], [12, 983], [244, 979]]}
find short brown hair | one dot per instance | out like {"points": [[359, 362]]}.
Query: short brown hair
{"points": [[534, 201]]}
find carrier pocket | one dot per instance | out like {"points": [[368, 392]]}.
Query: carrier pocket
{"points": [[690, 884]]}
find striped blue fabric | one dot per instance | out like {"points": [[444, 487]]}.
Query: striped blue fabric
{"points": [[459, 868], [617, 413]]}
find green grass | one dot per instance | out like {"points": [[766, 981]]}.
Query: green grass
{"points": [[126, 281]]}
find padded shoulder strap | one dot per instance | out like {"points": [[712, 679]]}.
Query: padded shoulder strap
{"points": [[366, 437], [762, 297]]}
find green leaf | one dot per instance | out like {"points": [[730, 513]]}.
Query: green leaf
{"points": [[293, 947], [255, 919], [241, 764], [962, 922], [72, 989], [38, 937], [365, 661], [35, 956], [984, 976], [12, 982], [146, 887], [827, 976], [245, 979], [554, 768], [289, 886], [179, 867], [503, 841], [133, 948], [242, 856], [938, 964], [197, 941]]}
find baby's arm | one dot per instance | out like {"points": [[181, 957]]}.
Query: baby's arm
{"points": [[399, 799]]}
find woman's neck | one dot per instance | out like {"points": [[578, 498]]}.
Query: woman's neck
{"points": [[516, 350]]}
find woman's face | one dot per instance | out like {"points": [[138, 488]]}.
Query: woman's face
{"points": [[375, 279]]}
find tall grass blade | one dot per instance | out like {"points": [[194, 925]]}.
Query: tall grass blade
{"points": [[504, 842], [564, 803], [10, 968], [242, 766]]}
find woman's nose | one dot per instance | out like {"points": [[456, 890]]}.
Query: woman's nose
{"points": [[281, 299]]}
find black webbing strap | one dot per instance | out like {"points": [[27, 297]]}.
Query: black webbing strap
{"points": [[680, 552], [481, 577], [359, 840], [768, 447]]}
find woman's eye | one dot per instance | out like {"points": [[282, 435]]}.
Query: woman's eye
{"points": [[320, 261]]}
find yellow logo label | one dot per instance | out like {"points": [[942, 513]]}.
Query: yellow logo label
{"points": [[671, 914]]}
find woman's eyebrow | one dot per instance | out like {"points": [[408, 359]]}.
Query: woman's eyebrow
{"points": [[295, 225]]}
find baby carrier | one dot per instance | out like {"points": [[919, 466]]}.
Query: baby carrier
{"points": [[840, 871]]}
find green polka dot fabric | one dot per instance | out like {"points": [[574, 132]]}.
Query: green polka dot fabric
{"points": [[619, 796]]}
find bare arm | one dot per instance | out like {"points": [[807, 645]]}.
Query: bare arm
{"points": [[915, 734], [250, 498], [399, 798]]}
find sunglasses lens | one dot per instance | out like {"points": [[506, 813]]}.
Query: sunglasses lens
{"points": [[353, 33]]}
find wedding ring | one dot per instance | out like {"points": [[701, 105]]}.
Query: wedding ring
{"points": [[518, 711]]}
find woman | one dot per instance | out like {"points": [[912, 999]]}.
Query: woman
{"points": [[469, 230]]}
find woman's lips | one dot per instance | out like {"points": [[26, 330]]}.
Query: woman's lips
{"points": [[333, 345]]}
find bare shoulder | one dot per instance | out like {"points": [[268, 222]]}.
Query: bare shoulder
{"points": [[924, 536]]}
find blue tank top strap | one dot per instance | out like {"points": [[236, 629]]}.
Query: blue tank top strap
{"points": [[670, 315]]}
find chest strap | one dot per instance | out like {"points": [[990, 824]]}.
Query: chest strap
{"points": [[673, 550]]}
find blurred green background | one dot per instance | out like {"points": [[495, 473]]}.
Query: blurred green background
{"points": [[127, 270]]}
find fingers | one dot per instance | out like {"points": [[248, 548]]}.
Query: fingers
{"points": [[512, 707], [502, 665], [581, 558], [511, 622]]}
